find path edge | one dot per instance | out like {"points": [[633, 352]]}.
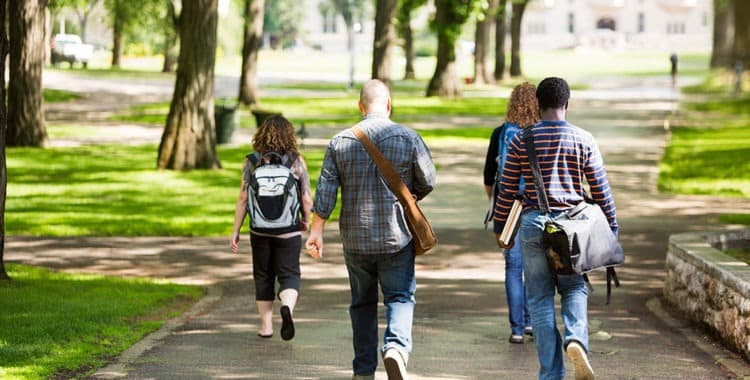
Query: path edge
{"points": [[726, 359], [118, 368]]}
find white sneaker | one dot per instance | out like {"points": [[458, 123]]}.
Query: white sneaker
{"points": [[363, 377], [395, 365], [577, 356]]}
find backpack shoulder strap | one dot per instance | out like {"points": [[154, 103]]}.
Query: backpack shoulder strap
{"points": [[289, 159], [254, 158]]}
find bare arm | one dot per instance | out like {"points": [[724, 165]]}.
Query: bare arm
{"points": [[307, 201], [240, 211]]}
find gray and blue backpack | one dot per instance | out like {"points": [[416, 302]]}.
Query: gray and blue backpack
{"points": [[273, 194]]}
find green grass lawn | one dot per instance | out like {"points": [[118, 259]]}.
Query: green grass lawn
{"points": [[52, 96], [114, 190], [339, 109], [57, 325], [707, 161], [708, 151]]}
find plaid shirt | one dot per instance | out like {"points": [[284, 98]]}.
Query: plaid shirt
{"points": [[372, 220]]}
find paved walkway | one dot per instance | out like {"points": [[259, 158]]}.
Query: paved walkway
{"points": [[460, 326]]}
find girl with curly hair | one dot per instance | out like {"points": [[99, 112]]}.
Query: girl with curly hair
{"points": [[523, 111], [275, 254]]}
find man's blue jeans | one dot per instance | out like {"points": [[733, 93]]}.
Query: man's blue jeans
{"points": [[395, 273], [518, 312], [540, 293]]}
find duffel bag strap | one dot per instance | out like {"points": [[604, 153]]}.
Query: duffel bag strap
{"points": [[611, 277]]}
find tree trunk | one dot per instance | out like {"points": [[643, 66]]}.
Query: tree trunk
{"points": [[482, 46], [742, 32], [170, 55], [116, 36], [385, 34], [500, 40], [189, 138], [352, 52], [408, 35], [445, 80], [723, 37], [25, 113], [47, 37], [515, 38], [82, 21], [253, 37], [3, 127], [170, 38]]}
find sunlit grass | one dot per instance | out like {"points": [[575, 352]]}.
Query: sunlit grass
{"points": [[53, 96], [57, 325], [735, 219], [341, 110], [115, 190], [711, 156]]}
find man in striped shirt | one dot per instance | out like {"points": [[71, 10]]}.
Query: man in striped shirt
{"points": [[566, 155]]}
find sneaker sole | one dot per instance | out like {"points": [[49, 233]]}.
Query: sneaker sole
{"points": [[394, 368], [583, 370]]}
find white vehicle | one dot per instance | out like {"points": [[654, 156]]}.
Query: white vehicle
{"points": [[69, 48]]}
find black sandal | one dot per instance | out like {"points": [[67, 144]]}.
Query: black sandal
{"points": [[287, 324]]}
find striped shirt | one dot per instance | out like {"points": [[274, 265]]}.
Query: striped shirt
{"points": [[566, 155], [372, 220]]}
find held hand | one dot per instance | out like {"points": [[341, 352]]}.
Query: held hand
{"points": [[500, 243], [234, 244], [314, 246]]}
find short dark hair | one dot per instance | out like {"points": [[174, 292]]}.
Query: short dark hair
{"points": [[552, 92]]}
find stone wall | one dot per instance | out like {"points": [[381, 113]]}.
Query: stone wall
{"points": [[710, 287]]}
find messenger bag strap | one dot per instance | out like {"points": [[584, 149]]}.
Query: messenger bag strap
{"points": [[528, 139], [394, 181]]}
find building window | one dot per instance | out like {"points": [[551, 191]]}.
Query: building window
{"points": [[571, 23], [676, 28], [329, 22], [641, 22], [537, 28], [705, 19]]}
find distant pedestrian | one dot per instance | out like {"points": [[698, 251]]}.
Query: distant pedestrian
{"points": [[523, 111], [673, 60], [377, 243], [566, 155], [278, 215]]}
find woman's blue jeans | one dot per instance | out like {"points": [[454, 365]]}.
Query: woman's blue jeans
{"points": [[395, 274], [540, 293], [515, 291]]}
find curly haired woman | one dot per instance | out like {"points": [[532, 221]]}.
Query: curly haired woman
{"points": [[275, 251], [523, 111]]}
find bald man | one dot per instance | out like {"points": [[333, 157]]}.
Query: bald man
{"points": [[377, 242]]}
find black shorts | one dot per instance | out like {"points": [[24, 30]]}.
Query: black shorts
{"points": [[275, 258]]}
